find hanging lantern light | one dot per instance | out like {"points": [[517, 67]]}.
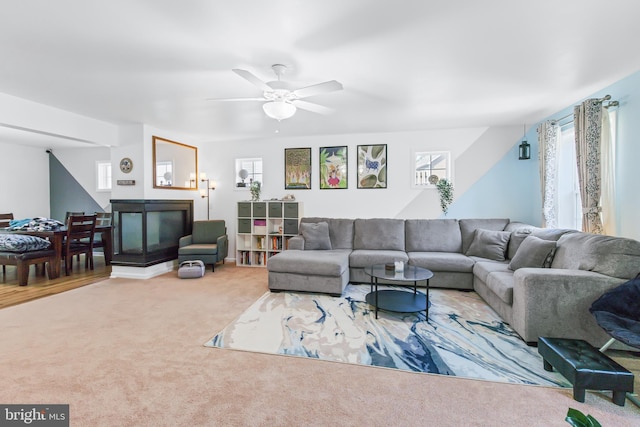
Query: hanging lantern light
{"points": [[524, 149]]}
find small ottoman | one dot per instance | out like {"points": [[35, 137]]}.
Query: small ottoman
{"points": [[585, 367]]}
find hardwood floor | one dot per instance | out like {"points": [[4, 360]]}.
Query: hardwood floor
{"points": [[40, 286]]}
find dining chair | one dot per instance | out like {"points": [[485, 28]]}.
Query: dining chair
{"points": [[102, 219], [5, 219], [79, 240], [66, 219]]}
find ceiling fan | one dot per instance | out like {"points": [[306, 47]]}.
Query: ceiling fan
{"points": [[280, 100]]}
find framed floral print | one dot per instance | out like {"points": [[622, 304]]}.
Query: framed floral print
{"points": [[333, 167], [372, 166], [297, 168]]}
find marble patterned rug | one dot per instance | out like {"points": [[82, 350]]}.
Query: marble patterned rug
{"points": [[464, 336]]}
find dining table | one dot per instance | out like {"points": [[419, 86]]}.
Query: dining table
{"points": [[56, 237]]}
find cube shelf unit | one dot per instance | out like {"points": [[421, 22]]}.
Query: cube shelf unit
{"points": [[264, 229]]}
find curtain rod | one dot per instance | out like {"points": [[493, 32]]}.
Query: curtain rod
{"points": [[601, 100]]}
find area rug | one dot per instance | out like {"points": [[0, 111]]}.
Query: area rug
{"points": [[463, 337]]}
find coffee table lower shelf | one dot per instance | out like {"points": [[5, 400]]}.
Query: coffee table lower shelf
{"points": [[398, 301]]}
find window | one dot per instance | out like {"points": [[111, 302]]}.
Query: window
{"points": [[103, 175], [247, 171], [429, 168], [569, 202]]}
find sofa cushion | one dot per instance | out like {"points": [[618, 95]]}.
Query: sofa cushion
{"points": [[517, 237], [433, 235], [469, 226], [316, 235], [612, 256], [489, 244], [442, 261], [533, 252], [319, 263], [379, 233], [22, 243], [501, 284], [482, 269], [340, 230], [360, 258]]}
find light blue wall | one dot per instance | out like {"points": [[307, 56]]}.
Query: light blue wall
{"points": [[512, 187]]}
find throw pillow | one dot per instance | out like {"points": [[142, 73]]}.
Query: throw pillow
{"points": [[316, 235], [489, 244], [22, 243], [533, 252]]}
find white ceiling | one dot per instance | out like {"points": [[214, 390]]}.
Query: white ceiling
{"points": [[405, 65]]}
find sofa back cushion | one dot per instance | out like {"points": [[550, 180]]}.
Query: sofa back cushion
{"points": [[612, 256], [433, 235], [469, 226], [379, 233], [340, 231], [316, 235], [489, 244]]}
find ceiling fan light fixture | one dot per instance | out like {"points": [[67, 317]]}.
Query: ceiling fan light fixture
{"points": [[279, 110]]}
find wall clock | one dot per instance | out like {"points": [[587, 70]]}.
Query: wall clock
{"points": [[126, 165]]}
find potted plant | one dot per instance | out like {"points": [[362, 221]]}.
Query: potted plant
{"points": [[255, 190], [445, 190]]}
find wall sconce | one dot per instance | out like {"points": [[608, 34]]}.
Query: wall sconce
{"points": [[192, 180], [211, 185], [524, 149]]}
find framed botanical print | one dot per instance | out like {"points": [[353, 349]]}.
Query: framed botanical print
{"points": [[297, 168], [333, 167], [372, 166]]}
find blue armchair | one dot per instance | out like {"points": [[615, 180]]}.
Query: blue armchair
{"points": [[208, 243]]}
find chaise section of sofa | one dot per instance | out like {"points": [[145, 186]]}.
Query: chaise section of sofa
{"points": [[323, 270]]}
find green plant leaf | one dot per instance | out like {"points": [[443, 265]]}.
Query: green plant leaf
{"points": [[578, 419]]}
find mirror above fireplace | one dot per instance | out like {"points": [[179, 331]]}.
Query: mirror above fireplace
{"points": [[175, 165]]}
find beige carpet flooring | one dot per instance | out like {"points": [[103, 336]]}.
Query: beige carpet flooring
{"points": [[129, 353]]}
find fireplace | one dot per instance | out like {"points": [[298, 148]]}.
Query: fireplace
{"points": [[146, 232]]}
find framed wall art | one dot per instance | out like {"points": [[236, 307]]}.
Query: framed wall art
{"points": [[297, 168], [333, 167], [372, 166]]}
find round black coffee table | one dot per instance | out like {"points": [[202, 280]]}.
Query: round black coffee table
{"points": [[399, 300]]}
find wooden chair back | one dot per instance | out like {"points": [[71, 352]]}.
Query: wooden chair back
{"points": [[79, 240], [5, 218]]}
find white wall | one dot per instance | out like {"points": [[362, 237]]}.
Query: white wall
{"points": [[24, 181], [474, 152]]}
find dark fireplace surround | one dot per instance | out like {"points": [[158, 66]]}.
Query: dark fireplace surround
{"points": [[146, 232]]}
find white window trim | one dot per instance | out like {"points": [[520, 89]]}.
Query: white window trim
{"points": [[237, 170], [412, 169], [100, 163]]}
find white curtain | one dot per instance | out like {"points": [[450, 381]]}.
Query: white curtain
{"points": [[607, 199], [548, 156], [588, 126]]}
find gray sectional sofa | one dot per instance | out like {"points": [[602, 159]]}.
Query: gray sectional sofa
{"points": [[540, 281]]}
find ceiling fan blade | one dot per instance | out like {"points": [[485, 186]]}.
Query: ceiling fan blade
{"points": [[234, 99], [317, 89], [251, 78], [309, 106]]}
